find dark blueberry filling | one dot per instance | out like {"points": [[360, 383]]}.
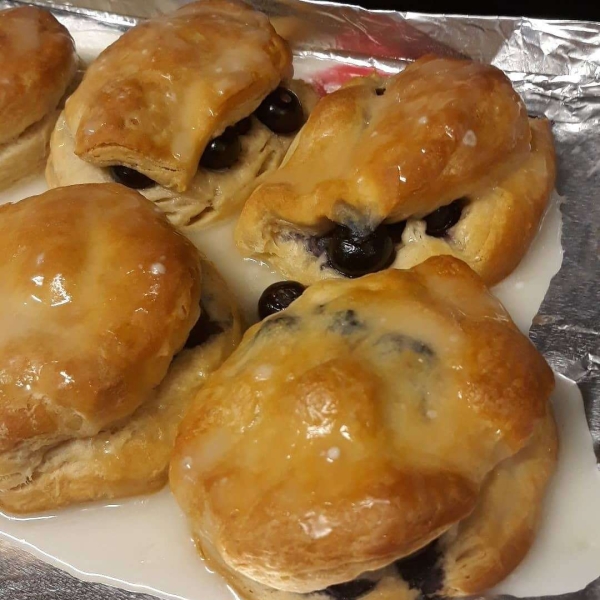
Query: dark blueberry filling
{"points": [[130, 177], [352, 590], [279, 322], [395, 231], [244, 126], [318, 245], [444, 218], [281, 111], [222, 152], [203, 330], [355, 255], [423, 570], [278, 296], [401, 343], [346, 322], [380, 91]]}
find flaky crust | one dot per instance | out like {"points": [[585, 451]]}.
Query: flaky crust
{"points": [[98, 293], [133, 458], [359, 425], [442, 130], [211, 195], [37, 62], [153, 99], [472, 556], [26, 154]]}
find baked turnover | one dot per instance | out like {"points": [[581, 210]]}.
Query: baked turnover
{"points": [[439, 159], [99, 295], [188, 108], [383, 437]]}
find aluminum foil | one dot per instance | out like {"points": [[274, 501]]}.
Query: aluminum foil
{"points": [[554, 65]]}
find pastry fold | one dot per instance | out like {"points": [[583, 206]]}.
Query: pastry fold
{"points": [[153, 99], [371, 420], [388, 151]]}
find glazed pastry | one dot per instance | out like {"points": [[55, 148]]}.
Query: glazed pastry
{"points": [[38, 63], [439, 159], [99, 294], [188, 108], [383, 437]]}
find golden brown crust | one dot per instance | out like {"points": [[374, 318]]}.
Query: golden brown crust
{"points": [[500, 222], [153, 99], [211, 195], [471, 557], [360, 425], [37, 62], [133, 458], [443, 130], [98, 294], [495, 538]]}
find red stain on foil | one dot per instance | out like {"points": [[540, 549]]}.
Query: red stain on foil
{"points": [[331, 79]]}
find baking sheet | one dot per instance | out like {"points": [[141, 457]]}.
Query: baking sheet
{"points": [[556, 68]]}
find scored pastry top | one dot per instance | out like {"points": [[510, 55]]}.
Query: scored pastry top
{"points": [[154, 98]]}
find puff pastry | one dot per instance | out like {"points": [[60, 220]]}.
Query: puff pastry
{"points": [[372, 419], [38, 63], [159, 98], [439, 159], [98, 296]]}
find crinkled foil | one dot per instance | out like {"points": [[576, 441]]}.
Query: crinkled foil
{"points": [[555, 66]]}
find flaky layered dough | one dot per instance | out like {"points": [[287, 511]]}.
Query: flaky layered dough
{"points": [[37, 62], [98, 293], [369, 419], [153, 99], [211, 195], [133, 457], [382, 151]]}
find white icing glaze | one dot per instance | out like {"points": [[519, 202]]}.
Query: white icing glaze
{"points": [[151, 550], [470, 139], [160, 558]]}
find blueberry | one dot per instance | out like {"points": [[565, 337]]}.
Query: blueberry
{"points": [[352, 590], [243, 127], [281, 111], [130, 177], [317, 245], [278, 296], [380, 91], [443, 219], [399, 342], [423, 570], [354, 255], [222, 152], [395, 231], [204, 329], [346, 322]]}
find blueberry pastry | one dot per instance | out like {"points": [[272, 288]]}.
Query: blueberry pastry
{"points": [[110, 325], [37, 65], [439, 159], [381, 438], [188, 108]]}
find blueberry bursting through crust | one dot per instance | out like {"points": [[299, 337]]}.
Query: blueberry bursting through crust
{"points": [[281, 111], [354, 255]]}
